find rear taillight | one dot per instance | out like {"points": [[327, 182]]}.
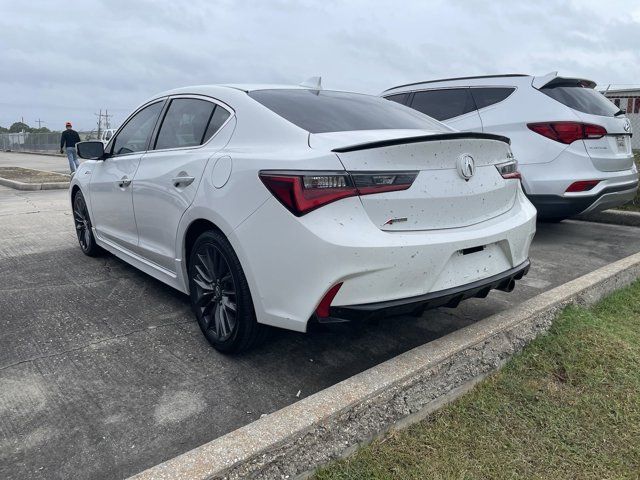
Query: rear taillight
{"points": [[582, 186], [509, 170], [302, 192], [568, 132]]}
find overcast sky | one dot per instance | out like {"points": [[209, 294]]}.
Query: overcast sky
{"points": [[65, 60]]}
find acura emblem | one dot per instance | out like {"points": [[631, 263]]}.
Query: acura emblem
{"points": [[627, 126], [466, 166]]}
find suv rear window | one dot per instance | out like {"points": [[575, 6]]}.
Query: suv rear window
{"points": [[583, 99], [321, 111], [445, 103]]}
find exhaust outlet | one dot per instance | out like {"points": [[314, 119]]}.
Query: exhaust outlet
{"points": [[508, 286]]}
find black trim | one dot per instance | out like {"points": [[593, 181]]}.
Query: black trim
{"points": [[556, 207], [421, 138], [508, 75], [450, 297]]}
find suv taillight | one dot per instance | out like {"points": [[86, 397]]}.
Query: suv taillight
{"points": [[302, 192], [568, 132]]}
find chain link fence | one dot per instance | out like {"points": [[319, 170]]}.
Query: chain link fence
{"points": [[35, 142]]}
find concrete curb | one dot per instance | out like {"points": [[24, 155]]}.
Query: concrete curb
{"points": [[332, 423], [615, 217], [46, 154], [33, 186]]}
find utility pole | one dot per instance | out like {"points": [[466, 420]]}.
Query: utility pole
{"points": [[99, 122], [107, 123], [40, 122]]}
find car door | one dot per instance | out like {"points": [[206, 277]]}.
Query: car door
{"points": [[453, 106], [169, 174], [111, 179]]}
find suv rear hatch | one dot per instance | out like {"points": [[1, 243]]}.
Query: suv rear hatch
{"points": [[610, 152], [440, 197]]}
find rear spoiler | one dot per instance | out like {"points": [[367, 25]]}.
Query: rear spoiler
{"points": [[552, 79], [421, 138]]}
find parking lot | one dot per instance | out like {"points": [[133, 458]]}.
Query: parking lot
{"points": [[103, 371]]}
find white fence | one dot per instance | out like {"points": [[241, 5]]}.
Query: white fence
{"points": [[629, 100], [34, 142]]}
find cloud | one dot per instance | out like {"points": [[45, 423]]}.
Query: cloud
{"points": [[67, 60]]}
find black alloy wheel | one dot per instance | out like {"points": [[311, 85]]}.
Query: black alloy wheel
{"points": [[220, 296], [82, 222]]}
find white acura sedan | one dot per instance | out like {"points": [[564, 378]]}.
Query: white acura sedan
{"points": [[284, 205]]}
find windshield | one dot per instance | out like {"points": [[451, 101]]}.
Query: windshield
{"points": [[583, 99], [321, 111]]}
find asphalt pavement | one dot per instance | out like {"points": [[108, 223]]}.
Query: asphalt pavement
{"points": [[103, 371]]}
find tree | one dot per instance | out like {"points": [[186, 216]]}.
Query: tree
{"points": [[4, 130], [19, 127]]}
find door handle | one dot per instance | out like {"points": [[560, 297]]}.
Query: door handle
{"points": [[184, 180], [124, 182]]}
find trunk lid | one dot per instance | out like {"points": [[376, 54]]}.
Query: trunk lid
{"points": [[439, 197]]}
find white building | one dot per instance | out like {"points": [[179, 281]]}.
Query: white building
{"points": [[628, 100]]}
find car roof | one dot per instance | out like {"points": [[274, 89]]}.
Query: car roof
{"points": [[510, 79], [455, 81]]}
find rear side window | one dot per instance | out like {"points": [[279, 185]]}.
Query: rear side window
{"points": [[321, 111], [185, 123], [400, 98], [489, 96], [444, 104], [218, 118], [134, 136], [583, 99]]}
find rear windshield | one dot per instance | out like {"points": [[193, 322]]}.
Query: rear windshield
{"points": [[321, 111], [583, 99]]}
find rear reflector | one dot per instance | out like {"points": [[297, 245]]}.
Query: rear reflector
{"points": [[302, 192], [568, 132], [582, 186], [323, 308], [509, 170]]}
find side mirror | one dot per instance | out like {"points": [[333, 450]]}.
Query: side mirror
{"points": [[90, 150]]}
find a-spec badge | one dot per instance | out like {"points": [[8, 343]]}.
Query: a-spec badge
{"points": [[466, 166]]}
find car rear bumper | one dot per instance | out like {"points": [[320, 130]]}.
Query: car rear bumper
{"points": [[292, 262], [414, 306], [558, 207]]}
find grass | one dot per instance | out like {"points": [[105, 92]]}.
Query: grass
{"points": [[568, 407], [633, 205]]}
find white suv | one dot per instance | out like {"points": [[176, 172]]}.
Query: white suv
{"points": [[572, 144]]}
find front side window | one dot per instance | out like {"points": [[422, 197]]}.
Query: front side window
{"points": [[134, 136], [322, 111], [444, 104], [490, 95], [185, 123]]}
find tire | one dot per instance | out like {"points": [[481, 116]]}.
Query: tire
{"points": [[82, 222], [220, 296]]}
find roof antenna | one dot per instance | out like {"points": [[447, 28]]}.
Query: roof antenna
{"points": [[314, 83]]}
